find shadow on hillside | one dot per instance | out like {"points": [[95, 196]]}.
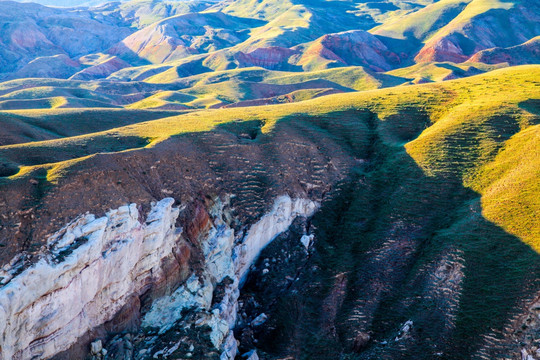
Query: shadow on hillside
{"points": [[128, 55], [411, 247], [531, 105], [409, 46]]}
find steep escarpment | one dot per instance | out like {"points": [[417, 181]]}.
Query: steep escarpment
{"points": [[67, 293], [96, 276], [207, 245]]}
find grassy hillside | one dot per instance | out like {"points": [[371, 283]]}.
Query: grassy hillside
{"points": [[30, 125], [526, 53], [422, 23], [446, 176], [173, 91], [447, 112], [436, 221], [435, 72], [146, 12], [474, 29], [415, 124], [161, 41]]}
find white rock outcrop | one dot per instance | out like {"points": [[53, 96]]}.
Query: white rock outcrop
{"points": [[225, 259], [278, 220], [92, 267], [88, 273], [307, 240]]}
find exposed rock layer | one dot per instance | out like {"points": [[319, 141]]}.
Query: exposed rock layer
{"points": [[88, 272], [92, 268]]}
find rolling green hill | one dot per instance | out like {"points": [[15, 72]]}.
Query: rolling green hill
{"points": [[144, 41], [441, 193], [441, 114]]}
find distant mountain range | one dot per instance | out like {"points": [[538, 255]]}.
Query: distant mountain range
{"points": [[65, 3], [201, 35], [165, 42]]}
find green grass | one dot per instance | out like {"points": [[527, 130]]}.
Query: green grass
{"points": [[353, 77], [473, 117], [422, 23], [75, 122], [258, 9], [459, 107], [442, 71], [230, 86], [450, 174], [147, 12], [163, 100]]}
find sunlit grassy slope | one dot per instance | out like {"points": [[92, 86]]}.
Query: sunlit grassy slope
{"points": [[231, 86], [424, 22], [172, 90], [463, 128], [344, 9], [427, 72]]}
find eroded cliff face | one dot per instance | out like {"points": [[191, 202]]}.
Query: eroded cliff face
{"points": [[213, 293], [93, 268], [86, 274]]}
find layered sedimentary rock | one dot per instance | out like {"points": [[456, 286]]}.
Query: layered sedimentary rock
{"points": [[89, 271], [228, 264], [346, 48], [94, 267]]}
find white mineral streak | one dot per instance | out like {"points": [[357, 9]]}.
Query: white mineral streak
{"points": [[306, 240], [44, 309], [48, 306], [265, 230], [224, 259]]}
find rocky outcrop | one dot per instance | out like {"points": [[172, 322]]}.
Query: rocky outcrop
{"points": [[88, 272], [94, 267], [259, 236], [227, 264]]}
